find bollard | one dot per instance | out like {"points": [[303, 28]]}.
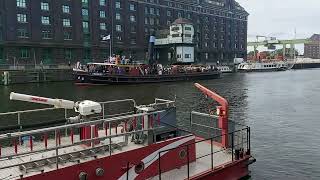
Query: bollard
{"points": [[6, 78]]}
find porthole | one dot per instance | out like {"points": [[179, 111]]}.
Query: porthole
{"points": [[182, 153], [139, 167]]}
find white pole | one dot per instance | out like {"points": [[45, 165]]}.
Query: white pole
{"points": [[110, 48], [14, 62], [294, 45], [34, 58]]}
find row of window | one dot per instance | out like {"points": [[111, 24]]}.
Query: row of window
{"points": [[132, 7], [45, 20], [46, 53], [45, 5], [46, 34]]}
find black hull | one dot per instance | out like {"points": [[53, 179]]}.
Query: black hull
{"points": [[306, 66], [85, 78]]}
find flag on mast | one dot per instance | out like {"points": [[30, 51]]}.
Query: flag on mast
{"points": [[106, 38]]}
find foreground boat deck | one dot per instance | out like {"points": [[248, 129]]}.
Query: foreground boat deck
{"points": [[200, 165], [30, 164]]}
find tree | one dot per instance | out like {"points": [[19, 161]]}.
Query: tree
{"points": [[252, 53], [279, 52]]}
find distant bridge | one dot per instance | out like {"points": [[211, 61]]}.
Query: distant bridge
{"points": [[270, 44]]}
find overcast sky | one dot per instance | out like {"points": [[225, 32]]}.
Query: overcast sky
{"points": [[279, 18]]}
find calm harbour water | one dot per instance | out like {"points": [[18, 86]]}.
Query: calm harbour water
{"points": [[282, 109]]}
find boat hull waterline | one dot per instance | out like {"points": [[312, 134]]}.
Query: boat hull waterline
{"points": [[82, 78]]}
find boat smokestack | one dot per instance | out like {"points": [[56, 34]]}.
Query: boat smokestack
{"points": [[151, 49]]}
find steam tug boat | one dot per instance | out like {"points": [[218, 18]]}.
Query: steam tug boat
{"points": [[176, 50], [135, 74], [141, 142]]}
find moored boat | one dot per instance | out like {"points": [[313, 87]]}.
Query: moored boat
{"points": [[107, 73], [141, 142], [263, 66], [224, 69]]}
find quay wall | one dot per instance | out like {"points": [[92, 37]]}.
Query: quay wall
{"points": [[8, 77]]}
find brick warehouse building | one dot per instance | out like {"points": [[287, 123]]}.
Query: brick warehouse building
{"points": [[59, 31], [312, 48]]}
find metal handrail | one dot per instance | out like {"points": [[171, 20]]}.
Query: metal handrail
{"points": [[74, 144], [121, 100], [28, 111], [211, 139], [61, 127]]}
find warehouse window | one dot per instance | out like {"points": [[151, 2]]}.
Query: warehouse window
{"points": [[46, 34], [102, 2], [45, 20], [65, 9], [44, 6], [22, 18], [22, 33], [24, 53], [21, 3], [68, 54]]}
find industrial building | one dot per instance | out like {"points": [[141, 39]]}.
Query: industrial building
{"points": [[63, 31], [312, 48]]}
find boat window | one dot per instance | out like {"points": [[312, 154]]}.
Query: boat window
{"points": [[187, 55], [175, 29]]}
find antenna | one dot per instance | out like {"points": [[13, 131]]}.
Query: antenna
{"points": [[294, 45]]}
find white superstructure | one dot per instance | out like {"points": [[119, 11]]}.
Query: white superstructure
{"points": [[263, 66], [181, 38]]}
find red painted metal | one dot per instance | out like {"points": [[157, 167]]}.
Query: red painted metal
{"points": [[223, 112], [15, 146], [45, 140], [31, 143], [113, 165], [58, 138], [71, 135], [228, 171]]}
